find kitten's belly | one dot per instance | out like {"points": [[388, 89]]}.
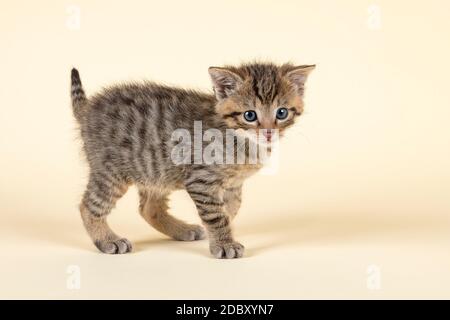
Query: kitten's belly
{"points": [[168, 177], [237, 174]]}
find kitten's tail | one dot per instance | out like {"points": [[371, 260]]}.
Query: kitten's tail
{"points": [[79, 100]]}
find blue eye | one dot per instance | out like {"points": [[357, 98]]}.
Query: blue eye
{"points": [[250, 115], [282, 113]]}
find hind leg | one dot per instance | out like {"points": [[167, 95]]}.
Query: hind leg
{"points": [[98, 201], [153, 208]]}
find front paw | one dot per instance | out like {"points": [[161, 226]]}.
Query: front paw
{"points": [[118, 246], [227, 250]]}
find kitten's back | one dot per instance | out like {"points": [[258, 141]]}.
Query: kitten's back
{"points": [[127, 127]]}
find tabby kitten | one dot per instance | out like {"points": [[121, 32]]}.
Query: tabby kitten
{"points": [[126, 131]]}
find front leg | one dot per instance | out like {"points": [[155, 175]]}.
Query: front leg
{"points": [[209, 201]]}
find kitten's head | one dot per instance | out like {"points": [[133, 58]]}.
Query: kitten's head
{"points": [[260, 95]]}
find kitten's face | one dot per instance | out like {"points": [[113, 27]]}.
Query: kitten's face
{"points": [[260, 96]]}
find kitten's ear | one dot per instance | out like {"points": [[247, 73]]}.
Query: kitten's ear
{"points": [[225, 82], [298, 75]]}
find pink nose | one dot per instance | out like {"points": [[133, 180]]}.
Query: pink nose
{"points": [[268, 134]]}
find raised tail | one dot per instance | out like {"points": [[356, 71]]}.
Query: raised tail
{"points": [[79, 100]]}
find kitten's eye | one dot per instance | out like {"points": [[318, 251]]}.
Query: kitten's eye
{"points": [[282, 113], [250, 115]]}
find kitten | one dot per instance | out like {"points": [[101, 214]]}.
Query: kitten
{"points": [[126, 132]]}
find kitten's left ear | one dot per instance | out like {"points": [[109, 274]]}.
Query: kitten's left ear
{"points": [[225, 82], [298, 75]]}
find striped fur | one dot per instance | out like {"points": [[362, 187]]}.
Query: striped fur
{"points": [[126, 132], [77, 94]]}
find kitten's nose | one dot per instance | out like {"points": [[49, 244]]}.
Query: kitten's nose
{"points": [[268, 133]]}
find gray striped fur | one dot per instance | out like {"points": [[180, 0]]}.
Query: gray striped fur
{"points": [[126, 131]]}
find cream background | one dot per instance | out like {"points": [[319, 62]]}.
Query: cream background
{"points": [[364, 177]]}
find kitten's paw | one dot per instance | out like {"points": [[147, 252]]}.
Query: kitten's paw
{"points": [[190, 232], [227, 250], [118, 246]]}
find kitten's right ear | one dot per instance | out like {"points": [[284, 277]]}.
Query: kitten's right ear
{"points": [[225, 82]]}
